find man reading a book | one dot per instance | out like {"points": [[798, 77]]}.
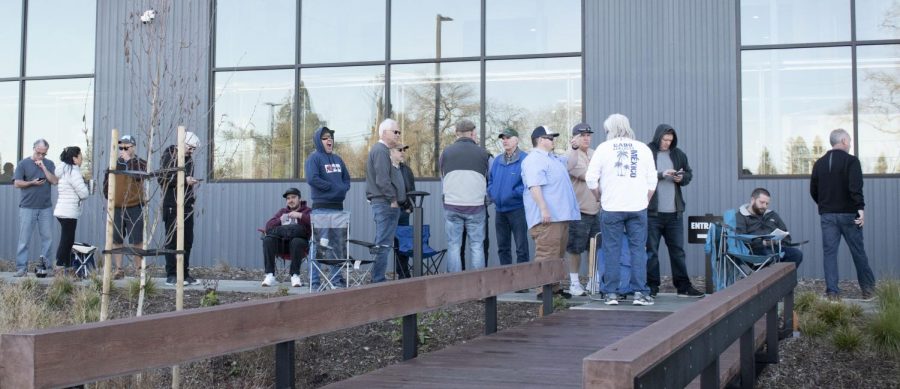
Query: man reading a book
{"points": [[756, 218]]}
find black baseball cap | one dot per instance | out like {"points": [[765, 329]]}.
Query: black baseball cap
{"points": [[581, 128], [292, 191], [542, 131]]}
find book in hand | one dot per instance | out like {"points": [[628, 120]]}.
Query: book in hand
{"points": [[779, 234]]}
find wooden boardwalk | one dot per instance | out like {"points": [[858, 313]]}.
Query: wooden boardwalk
{"points": [[540, 354]]}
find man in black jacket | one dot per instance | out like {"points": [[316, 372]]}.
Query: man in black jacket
{"points": [[168, 182], [664, 213], [837, 187], [755, 218]]}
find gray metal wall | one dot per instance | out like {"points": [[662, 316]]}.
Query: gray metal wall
{"points": [[655, 61]]}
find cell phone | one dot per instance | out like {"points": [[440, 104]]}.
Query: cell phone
{"points": [[42, 179], [679, 173]]}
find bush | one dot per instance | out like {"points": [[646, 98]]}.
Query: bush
{"points": [[210, 299], [888, 293], [834, 314], [884, 331], [59, 292], [806, 302], [812, 326], [847, 338], [86, 306], [134, 288]]}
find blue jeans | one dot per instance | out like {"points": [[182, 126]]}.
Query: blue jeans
{"points": [[634, 226], [668, 226], [835, 225], [512, 222], [337, 242], [386, 219], [474, 224], [28, 217]]}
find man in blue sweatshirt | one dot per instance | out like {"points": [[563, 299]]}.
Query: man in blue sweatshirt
{"points": [[505, 189], [329, 181]]}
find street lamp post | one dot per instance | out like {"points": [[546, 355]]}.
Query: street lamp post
{"points": [[437, 88]]}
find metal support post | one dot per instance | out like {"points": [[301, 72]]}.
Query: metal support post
{"points": [[547, 297], [490, 315], [748, 360], [284, 365], [410, 337]]}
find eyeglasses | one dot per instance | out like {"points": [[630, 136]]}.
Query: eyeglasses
{"points": [[396, 132], [42, 154], [191, 148], [124, 147]]}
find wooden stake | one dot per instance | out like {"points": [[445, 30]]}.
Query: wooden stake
{"points": [[179, 281], [110, 210]]}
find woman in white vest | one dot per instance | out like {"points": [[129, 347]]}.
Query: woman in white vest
{"points": [[72, 191]]}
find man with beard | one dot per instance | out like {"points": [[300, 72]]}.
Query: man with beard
{"points": [[756, 218], [295, 212]]}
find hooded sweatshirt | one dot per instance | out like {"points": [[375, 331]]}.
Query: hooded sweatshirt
{"points": [[327, 175], [679, 161]]}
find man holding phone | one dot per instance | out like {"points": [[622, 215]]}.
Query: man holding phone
{"points": [[664, 213], [33, 176]]}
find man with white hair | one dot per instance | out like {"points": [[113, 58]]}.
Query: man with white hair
{"points": [[382, 194], [622, 176], [837, 188], [169, 184]]}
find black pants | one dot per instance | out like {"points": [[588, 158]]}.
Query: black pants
{"points": [[170, 218], [66, 240], [272, 246]]}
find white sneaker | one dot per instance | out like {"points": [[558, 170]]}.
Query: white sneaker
{"points": [[295, 281], [611, 299], [270, 280], [576, 289], [642, 299]]}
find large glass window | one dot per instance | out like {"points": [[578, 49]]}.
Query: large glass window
{"points": [[342, 31], [254, 124], [456, 23], [11, 31], [533, 26], [420, 62], [248, 34], [524, 94], [60, 111], [803, 75], [414, 95], [348, 100], [879, 108], [9, 118], [60, 37]]}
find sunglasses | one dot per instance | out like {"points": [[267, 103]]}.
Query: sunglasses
{"points": [[396, 132], [124, 147]]}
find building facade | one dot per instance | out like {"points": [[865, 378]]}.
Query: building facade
{"points": [[752, 86]]}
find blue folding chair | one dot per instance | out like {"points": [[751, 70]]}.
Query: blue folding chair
{"points": [[731, 254], [431, 258]]}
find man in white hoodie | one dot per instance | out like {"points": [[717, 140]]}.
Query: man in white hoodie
{"points": [[622, 176]]}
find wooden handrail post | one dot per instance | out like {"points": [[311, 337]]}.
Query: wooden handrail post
{"points": [[787, 330], [547, 297], [284, 365], [748, 359], [490, 315], [709, 378], [410, 336]]}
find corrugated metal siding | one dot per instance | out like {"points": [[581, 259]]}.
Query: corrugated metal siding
{"points": [[652, 60], [675, 62]]}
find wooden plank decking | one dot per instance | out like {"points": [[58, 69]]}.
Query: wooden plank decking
{"points": [[540, 354]]}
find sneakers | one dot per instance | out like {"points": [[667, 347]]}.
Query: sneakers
{"points": [[20, 273], [611, 299], [642, 299], [191, 281], [295, 280], [867, 295], [170, 280], [269, 280], [654, 290], [688, 292], [576, 289]]}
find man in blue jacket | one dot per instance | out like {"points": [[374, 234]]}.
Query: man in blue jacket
{"points": [[329, 181], [505, 189]]}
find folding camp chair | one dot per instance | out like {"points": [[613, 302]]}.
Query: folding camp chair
{"points": [[282, 273], [431, 258], [330, 245], [83, 259], [731, 254]]}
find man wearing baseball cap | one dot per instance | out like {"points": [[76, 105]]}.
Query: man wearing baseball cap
{"points": [[505, 188], [169, 160], [581, 231], [550, 202], [274, 243], [129, 200]]}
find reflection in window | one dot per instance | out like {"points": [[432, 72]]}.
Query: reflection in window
{"points": [[414, 89], [248, 34], [458, 23], [253, 125], [878, 80], [9, 115], [342, 31], [791, 100], [60, 111], [533, 26], [765, 22], [524, 94], [60, 38], [877, 19], [348, 100], [11, 31]]}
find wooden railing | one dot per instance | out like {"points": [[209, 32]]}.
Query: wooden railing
{"points": [[675, 350], [55, 357]]}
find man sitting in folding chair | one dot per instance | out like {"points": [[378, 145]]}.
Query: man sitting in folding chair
{"points": [[756, 218], [287, 235]]}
